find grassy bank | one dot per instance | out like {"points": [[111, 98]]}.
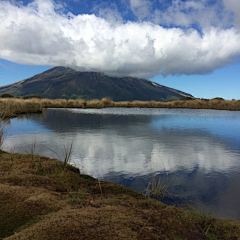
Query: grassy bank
{"points": [[43, 199], [13, 106]]}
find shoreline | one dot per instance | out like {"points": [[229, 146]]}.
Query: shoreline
{"points": [[44, 198], [11, 107]]}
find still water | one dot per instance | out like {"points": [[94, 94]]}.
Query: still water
{"points": [[198, 151]]}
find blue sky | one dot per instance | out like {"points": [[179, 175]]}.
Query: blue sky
{"points": [[190, 45]]}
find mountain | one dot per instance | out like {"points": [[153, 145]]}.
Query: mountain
{"points": [[61, 82]]}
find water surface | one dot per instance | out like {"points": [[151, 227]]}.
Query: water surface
{"points": [[197, 150]]}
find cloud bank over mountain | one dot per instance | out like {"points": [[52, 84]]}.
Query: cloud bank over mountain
{"points": [[166, 42]]}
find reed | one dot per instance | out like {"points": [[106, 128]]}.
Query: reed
{"points": [[1, 134], [4, 118], [67, 153], [157, 187], [32, 149]]}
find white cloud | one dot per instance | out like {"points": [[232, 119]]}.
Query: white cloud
{"points": [[141, 8], [38, 35], [234, 6], [187, 13], [110, 14]]}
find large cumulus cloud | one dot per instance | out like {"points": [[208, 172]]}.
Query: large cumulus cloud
{"points": [[39, 34]]}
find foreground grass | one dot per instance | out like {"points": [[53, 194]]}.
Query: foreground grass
{"points": [[43, 199], [10, 107]]}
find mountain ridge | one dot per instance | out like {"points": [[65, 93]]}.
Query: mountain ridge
{"points": [[62, 82]]}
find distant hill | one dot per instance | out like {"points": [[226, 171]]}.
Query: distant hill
{"points": [[61, 82]]}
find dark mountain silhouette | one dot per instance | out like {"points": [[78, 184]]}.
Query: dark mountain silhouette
{"points": [[61, 82]]}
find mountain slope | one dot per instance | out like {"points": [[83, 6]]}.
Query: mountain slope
{"points": [[61, 82]]}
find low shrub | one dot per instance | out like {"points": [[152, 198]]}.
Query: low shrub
{"points": [[6, 95], [31, 96]]}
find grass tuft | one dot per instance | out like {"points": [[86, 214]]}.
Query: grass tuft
{"points": [[157, 187], [67, 153]]}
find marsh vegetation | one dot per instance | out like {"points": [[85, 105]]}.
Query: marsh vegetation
{"points": [[10, 107]]}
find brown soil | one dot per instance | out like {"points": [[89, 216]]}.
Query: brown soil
{"points": [[42, 199]]}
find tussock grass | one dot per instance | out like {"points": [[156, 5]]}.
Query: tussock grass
{"points": [[42, 200], [32, 149], [10, 107], [157, 187], [67, 153], [1, 133], [62, 103], [4, 118]]}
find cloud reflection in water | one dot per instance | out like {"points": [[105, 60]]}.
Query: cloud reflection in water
{"points": [[127, 145]]}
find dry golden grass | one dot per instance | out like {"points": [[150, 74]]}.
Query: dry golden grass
{"points": [[9, 107], [40, 199], [62, 103], [12, 106], [193, 104]]}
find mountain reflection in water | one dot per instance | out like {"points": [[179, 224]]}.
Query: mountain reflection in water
{"points": [[199, 150]]}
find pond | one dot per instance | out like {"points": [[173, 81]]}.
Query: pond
{"points": [[196, 153]]}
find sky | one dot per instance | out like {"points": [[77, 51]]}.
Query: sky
{"points": [[190, 45]]}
